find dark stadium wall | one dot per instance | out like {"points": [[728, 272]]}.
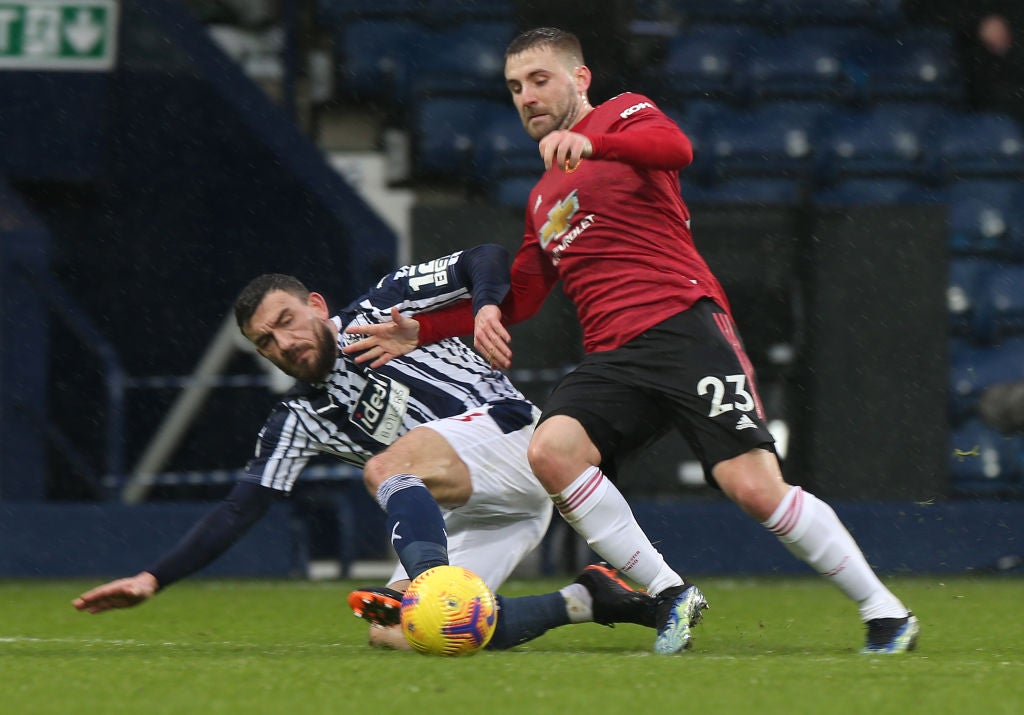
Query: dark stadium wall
{"points": [[167, 184], [24, 350], [876, 371], [698, 537]]}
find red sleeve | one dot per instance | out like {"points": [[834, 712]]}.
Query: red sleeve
{"points": [[645, 145], [450, 322], [533, 277]]}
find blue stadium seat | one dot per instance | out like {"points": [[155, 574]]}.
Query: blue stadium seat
{"points": [[974, 368], [917, 65], [697, 118], [374, 57], [889, 15], [984, 462], [965, 295], [825, 12], [444, 13], [727, 11], [805, 63], [696, 114], [774, 139], [981, 145], [504, 150], [986, 218], [513, 191], [1001, 314], [886, 140], [702, 61], [338, 12], [467, 59], [445, 130], [876, 191], [759, 191], [433, 13]]}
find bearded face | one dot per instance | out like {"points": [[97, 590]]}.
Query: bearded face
{"points": [[294, 335]]}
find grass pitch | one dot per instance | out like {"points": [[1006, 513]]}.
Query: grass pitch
{"points": [[766, 646]]}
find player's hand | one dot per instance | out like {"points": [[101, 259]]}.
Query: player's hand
{"points": [[491, 339], [565, 149], [384, 341], [123, 593]]}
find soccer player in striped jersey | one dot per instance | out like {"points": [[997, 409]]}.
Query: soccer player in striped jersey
{"points": [[441, 438], [607, 220]]}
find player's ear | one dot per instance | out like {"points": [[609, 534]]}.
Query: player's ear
{"points": [[582, 77], [319, 305]]}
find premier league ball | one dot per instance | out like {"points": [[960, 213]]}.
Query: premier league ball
{"points": [[448, 610]]}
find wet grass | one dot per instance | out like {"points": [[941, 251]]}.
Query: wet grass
{"points": [[766, 646]]}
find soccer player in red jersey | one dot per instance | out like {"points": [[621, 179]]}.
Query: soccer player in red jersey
{"points": [[607, 220]]}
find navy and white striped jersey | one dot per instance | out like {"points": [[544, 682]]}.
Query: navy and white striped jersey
{"points": [[357, 411]]}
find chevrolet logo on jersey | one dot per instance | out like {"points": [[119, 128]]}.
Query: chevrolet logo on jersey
{"points": [[559, 218]]}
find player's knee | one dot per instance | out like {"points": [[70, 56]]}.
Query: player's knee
{"points": [[544, 460], [756, 490], [375, 472], [552, 458]]}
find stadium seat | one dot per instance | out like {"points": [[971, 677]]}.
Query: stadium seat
{"points": [[877, 191], [983, 461], [980, 145], [886, 140], [431, 13], [696, 114], [504, 150], [1000, 314], [751, 12], [374, 57], [916, 65], [444, 13], [974, 368], [445, 130], [774, 139], [805, 63], [697, 118], [965, 294], [759, 191], [824, 12], [702, 61], [986, 218], [467, 59], [889, 15], [513, 191], [335, 13]]}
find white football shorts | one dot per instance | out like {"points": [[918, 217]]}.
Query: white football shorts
{"points": [[509, 511]]}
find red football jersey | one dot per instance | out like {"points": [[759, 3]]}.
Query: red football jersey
{"points": [[614, 230], [617, 236]]}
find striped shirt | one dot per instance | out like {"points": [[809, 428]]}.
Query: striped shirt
{"points": [[357, 411]]}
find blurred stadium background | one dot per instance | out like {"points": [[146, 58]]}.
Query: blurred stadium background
{"points": [[860, 204]]}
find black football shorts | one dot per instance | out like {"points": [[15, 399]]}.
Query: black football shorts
{"points": [[689, 372]]}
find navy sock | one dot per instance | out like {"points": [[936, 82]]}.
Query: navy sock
{"points": [[415, 523], [527, 617]]}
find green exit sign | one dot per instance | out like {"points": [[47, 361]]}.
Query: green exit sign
{"points": [[58, 34]]}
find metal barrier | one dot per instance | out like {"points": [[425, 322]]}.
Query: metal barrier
{"points": [[133, 487]]}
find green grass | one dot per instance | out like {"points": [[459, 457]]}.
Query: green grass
{"points": [[766, 646]]}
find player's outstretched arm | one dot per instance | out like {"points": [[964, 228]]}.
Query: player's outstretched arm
{"points": [[384, 341], [122, 593]]}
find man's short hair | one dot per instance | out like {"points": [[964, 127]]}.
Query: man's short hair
{"points": [[258, 288], [561, 41]]}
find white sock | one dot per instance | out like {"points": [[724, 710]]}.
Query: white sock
{"points": [[600, 514], [811, 530], [578, 603]]}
